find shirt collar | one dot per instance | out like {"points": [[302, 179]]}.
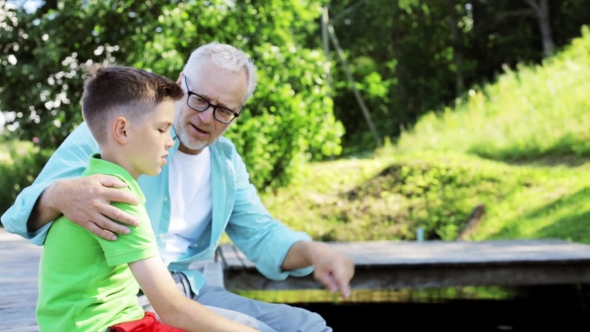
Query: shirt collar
{"points": [[100, 166]]}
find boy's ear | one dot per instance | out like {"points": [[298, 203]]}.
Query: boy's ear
{"points": [[179, 80], [119, 129]]}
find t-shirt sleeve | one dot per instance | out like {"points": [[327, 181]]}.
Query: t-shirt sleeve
{"points": [[139, 244]]}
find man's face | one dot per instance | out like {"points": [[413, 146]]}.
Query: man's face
{"points": [[220, 87]]}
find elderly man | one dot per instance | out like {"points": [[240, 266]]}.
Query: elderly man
{"points": [[204, 191]]}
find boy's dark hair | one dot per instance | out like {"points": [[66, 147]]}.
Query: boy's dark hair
{"points": [[129, 92]]}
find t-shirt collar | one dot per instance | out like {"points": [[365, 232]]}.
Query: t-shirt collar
{"points": [[100, 166]]}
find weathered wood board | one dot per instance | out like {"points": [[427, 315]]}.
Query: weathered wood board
{"points": [[19, 261], [385, 265], [379, 265]]}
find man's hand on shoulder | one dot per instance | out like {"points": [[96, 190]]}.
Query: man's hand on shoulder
{"points": [[86, 202]]}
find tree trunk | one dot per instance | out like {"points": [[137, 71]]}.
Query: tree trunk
{"points": [[457, 47], [542, 12], [397, 53]]}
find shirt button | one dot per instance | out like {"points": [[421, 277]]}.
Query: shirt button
{"points": [[165, 199], [161, 236]]}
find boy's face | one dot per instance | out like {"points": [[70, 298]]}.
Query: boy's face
{"points": [[150, 140]]}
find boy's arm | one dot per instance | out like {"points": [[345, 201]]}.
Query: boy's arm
{"points": [[172, 306]]}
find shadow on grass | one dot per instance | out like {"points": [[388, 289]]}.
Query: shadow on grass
{"points": [[568, 151], [572, 221], [545, 160]]}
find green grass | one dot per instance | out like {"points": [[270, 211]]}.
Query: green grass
{"points": [[533, 112], [520, 146], [387, 198]]}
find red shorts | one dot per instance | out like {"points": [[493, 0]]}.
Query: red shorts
{"points": [[148, 323]]}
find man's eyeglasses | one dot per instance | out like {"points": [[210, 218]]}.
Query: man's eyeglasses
{"points": [[201, 104]]}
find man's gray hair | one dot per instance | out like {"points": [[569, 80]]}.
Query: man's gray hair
{"points": [[226, 57]]}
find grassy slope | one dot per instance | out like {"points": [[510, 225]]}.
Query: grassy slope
{"points": [[520, 147]]}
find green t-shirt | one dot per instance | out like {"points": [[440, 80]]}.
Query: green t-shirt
{"points": [[85, 283]]}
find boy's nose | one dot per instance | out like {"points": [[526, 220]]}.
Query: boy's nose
{"points": [[169, 141]]}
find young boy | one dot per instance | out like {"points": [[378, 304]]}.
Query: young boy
{"points": [[90, 284]]}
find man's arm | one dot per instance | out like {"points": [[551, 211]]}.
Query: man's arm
{"points": [[59, 190], [43, 212], [277, 250], [172, 306], [85, 201]]}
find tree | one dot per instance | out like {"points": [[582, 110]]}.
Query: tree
{"points": [[541, 11], [289, 120], [412, 56]]}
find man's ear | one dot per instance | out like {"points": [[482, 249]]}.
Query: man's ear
{"points": [[119, 128], [179, 80]]}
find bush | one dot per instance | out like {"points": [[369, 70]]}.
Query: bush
{"points": [[20, 163]]}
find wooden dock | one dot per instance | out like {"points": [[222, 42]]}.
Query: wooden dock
{"points": [[379, 265], [19, 264], [434, 264]]}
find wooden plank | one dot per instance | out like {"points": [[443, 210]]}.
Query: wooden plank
{"points": [[379, 265], [386, 265], [243, 259], [229, 257], [389, 253], [426, 277], [449, 253], [19, 266]]}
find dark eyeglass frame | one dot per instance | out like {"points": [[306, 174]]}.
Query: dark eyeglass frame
{"points": [[209, 104]]}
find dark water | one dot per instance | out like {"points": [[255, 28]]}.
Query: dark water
{"points": [[539, 308]]}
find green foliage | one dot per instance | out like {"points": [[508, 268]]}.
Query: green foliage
{"points": [[536, 111], [388, 197], [288, 121], [20, 162], [411, 46], [441, 170]]}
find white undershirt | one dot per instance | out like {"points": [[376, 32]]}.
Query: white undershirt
{"points": [[190, 200]]}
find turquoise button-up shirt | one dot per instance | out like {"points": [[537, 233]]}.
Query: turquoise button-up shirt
{"points": [[237, 209]]}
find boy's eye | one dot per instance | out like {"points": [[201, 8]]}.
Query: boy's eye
{"points": [[162, 130]]}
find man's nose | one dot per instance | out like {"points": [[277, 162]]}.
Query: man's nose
{"points": [[207, 115]]}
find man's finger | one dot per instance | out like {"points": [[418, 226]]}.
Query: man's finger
{"points": [[327, 280], [123, 196], [94, 229], [343, 286], [112, 181], [116, 214], [343, 275], [109, 225]]}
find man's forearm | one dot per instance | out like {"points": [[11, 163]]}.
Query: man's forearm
{"points": [[300, 254], [44, 211]]}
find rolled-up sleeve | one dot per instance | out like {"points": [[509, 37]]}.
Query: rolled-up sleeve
{"points": [[264, 240], [68, 161]]}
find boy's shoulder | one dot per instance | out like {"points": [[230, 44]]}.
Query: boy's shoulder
{"points": [[97, 166]]}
